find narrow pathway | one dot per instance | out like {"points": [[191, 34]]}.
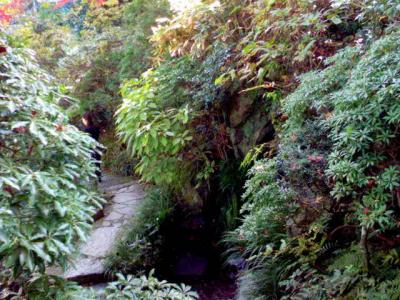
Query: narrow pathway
{"points": [[124, 195]]}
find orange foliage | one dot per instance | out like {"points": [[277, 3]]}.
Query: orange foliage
{"points": [[11, 9]]}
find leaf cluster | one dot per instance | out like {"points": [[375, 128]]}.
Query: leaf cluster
{"points": [[45, 169]]}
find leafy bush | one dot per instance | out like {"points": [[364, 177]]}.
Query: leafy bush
{"points": [[189, 32], [337, 161], [155, 137], [262, 230], [266, 207], [358, 105], [206, 91], [147, 288], [139, 17], [45, 169], [116, 159], [92, 47], [332, 190], [44, 287], [125, 287], [111, 47]]}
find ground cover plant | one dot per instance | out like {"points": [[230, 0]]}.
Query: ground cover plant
{"points": [[147, 288]]}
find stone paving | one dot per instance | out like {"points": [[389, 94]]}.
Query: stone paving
{"points": [[124, 198]]}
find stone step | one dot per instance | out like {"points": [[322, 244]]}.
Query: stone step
{"points": [[88, 267], [114, 188], [87, 271]]}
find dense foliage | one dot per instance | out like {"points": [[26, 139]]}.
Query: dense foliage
{"points": [[91, 48], [45, 169], [153, 136], [339, 179], [332, 186], [147, 288], [302, 96]]}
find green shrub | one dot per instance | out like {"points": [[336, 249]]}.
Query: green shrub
{"points": [[116, 159], [44, 287], [206, 91], [175, 81], [261, 231], [265, 208], [152, 135], [125, 287], [356, 99], [147, 288], [45, 169], [139, 18], [337, 150]]}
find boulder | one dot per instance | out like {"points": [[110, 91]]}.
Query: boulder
{"points": [[241, 108]]}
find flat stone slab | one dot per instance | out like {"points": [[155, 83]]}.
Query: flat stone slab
{"points": [[127, 197], [114, 216], [134, 188], [124, 209], [110, 181], [124, 197], [92, 267], [100, 242]]}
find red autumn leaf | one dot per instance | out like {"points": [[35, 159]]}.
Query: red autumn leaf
{"points": [[21, 129], [9, 10], [61, 4], [16, 6], [99, 2], [284, 118], [8, 189], [3, 49], [59, 127], [315, 158], [30, 150], [371, 184], [5, 17]]}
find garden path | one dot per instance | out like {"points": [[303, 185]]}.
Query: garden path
{"points": [[123, 196]]}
